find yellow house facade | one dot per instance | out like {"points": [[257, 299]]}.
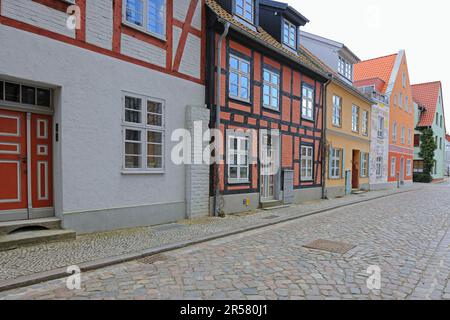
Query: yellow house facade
{"points": [[348, 121]]}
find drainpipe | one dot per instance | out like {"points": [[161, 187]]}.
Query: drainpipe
{"points": [[324, 134], [218, 91]]}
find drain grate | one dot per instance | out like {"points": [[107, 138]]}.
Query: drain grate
{"points": [[153, 259], [330, 246], [270, 217]]}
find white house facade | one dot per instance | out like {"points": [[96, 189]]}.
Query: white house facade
{"points": [[86, 115]]}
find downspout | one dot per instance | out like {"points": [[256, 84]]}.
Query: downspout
{"points": [[216, 140], [324, 135]]}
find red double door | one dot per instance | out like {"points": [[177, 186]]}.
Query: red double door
{"points": [[26, 169]]}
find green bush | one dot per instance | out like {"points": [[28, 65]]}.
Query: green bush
{"points": [[422, 177]]}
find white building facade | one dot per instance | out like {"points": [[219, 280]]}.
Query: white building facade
{"points": [[86, 115]]}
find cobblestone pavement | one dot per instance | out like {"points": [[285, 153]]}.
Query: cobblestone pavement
{"points": [[406, 235], [49, 256]]}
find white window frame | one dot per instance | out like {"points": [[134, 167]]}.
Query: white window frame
{"points": [[345, 68], [307, 102], [309, 162], [240, 74], [144, 27], [402, 135], [290, 26], [379, 167], [245, 3], [400, 98], [143, 127], [364, 165], [394, 132], [336, 163], [269, 84], [408, 167], [393, 166], [355, 119], [241, 138], [365, 123], [409, 136], [337, 111], [380, 129]]}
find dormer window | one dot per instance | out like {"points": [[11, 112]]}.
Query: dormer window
{"points": [[290, 35], [245, 9], [345, 68]]}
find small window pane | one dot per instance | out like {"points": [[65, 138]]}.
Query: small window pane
{"points": [[154, 150], [12, 92], [244, 67], [156, 16], [134, 12], [133, 135], [233, 63], [243, 172], [43, 97], [154, 162], [233, 172], [132, 148], [154, 137], [28, 95], [132, 103], [132, 162]]}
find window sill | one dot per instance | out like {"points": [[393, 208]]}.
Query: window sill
{"points": [[144, 32], [306, 180], [238, 182], [127, 172], [240, 100], [267, 108], [307, 119]]}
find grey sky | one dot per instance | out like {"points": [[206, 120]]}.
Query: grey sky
{"points": [[376, 28]]}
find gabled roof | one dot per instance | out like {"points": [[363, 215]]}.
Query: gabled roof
{"points": [[336, 78], [426, 95], [261, 36], [381, 68]]}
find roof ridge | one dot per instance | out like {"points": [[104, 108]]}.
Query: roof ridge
{"points": [[425, 83], [389, 55]]}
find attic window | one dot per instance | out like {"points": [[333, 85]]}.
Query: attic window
{"points": [[245, 9], [289, 34]]}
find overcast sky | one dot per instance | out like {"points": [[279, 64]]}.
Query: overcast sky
{"points": [[373, 28]]}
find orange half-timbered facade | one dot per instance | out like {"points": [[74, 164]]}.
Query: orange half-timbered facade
{"points": [[271, 109], [90, 93]]}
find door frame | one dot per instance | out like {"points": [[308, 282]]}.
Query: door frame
{"points": [[30, 213], [276, 179], [356, 154]]}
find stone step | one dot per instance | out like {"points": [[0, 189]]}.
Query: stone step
{"points": [[271, 204], [276, 207], [17, 239], [46, 223]]}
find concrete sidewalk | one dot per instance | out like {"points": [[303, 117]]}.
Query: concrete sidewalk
{"points": [[33, 264]]}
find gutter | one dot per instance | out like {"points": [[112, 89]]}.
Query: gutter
{"points": [[217, 126]]}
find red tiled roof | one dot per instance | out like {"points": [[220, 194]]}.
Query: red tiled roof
{"points": [[376, 68], [426, 95], [447, 136]]}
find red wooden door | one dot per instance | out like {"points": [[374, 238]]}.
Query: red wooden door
{"points": [[13, 161], [41, 161], [23, 190]]}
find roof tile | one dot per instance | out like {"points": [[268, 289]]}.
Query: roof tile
{"points": [[426, 95], [376, 68]]}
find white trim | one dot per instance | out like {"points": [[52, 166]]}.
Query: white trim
{"points": [[6, 134], [308, 159], [271, 86], [29, 175], [17, 145], [144, 27], [38, 126], [43, 153], [39, 173], [241, 138], [19, 187], [240, 74]]}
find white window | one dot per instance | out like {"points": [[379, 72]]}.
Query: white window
{"points": [[402, 137], [409, 137], [147, 15], [307, 102], [239, 78], [380, 129], [393, 166], [394, 132], [400, 98], [395, 100], [271, 89], [365, 123], [238, 163], [143, 127], [245, 9], [379, 166], [335, 163], [337, 110], [355, 118], [437, 118], [345, 68], [408, 167], [440, 143], [404, 79], [306, 166], [407, 103], [290, 34], [364, 164]]}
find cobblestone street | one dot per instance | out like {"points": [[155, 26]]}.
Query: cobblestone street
{"points": [[406, 235]]}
